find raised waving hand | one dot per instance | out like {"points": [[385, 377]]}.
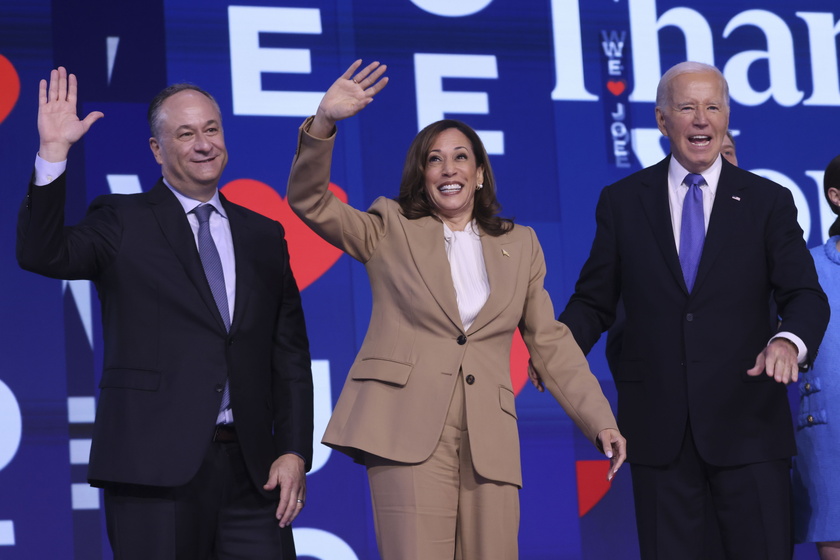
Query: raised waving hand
{"points": [[58, 124], [348, 95]]}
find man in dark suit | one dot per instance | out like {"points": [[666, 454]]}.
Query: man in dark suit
{"points": [[203, 430], [702, 374]]}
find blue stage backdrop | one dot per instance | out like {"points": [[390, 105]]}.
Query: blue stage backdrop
{"points": [[562, 92]]}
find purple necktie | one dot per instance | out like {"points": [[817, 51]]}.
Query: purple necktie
{"points": [[693, 230], [212, 264]]}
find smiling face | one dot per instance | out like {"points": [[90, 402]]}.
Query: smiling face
{"points": [[695, 118], [190, 144], [451, 177]]}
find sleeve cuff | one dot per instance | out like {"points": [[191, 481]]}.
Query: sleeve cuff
{"points": [[803, 350], [46, 172]]}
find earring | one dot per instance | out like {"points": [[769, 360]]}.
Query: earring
{"points": [[479, 186]]}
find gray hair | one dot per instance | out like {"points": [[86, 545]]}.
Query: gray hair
{"points": [[663, 90]]}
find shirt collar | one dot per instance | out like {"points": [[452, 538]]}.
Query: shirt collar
{"points": [[190, 204], [677, 173], [471, 229]]}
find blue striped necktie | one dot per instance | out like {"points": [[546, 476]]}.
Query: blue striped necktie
{"points": [[212, 264], [693, 229]]}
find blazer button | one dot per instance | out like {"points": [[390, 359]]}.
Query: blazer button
{"points": [[810, 419], [462, 340], [470, 379], [689, 317], [807, 386]]}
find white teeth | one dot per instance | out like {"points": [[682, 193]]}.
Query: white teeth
{"points": [[450, 189]]}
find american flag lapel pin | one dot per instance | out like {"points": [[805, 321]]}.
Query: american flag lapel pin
{"points": [[505, 253], [736, 198]]}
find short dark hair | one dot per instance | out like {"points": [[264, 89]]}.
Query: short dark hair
{"points": [[731, 137], [831, 179], [153, 115], [413, 199]]}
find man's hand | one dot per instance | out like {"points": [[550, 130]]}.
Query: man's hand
{"points": [[779, 360], [58, 124], [288, 472]]}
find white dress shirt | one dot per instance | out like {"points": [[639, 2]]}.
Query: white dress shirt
{"points": [[220, 232]]}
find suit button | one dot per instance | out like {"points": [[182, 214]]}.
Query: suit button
{"points": [[462, 340], [470, 379], [807, 386], [689, 317], [219, 388], [230, 341], [810, 419]]}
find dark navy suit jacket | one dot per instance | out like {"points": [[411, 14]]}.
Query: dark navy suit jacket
{"points": [[166, 351], [685, 356]]}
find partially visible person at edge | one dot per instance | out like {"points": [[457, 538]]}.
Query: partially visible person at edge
{"points": [[203, 428], [428, 405], [702, 374], [727, 149], [815, 488]]}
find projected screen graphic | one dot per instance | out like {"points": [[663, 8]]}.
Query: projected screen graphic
{"points": [[562, 94]]}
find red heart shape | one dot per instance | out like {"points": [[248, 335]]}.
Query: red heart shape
{"points": [[519, 357], [616, 87], [309, 255], [9, 87], [592, 483]]}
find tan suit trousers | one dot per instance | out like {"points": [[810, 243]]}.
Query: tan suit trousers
{"points": [[441, 509]]}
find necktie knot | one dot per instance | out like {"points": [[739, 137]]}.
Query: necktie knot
{"points": [[203, 213], [693, 180]]}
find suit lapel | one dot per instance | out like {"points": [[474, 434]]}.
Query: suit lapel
{"points": [[725, 216], [428, 250], [176, 229], [241, 232], [503, 259], [654, 198]]}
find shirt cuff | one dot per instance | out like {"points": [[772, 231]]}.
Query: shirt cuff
{"points": [[294, 453], [803, 351], [46, 172]]}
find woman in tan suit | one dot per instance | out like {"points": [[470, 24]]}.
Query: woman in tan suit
{"points": [[428, 406]]}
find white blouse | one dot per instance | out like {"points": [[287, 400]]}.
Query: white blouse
{"points": [[469, 274]]}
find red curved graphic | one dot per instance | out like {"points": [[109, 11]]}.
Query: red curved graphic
{"points": [[592, 483], [310, 256], [9, 87], [519, 357]]}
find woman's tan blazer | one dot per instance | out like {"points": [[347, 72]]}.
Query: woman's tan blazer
{"points": [[398, 391]]}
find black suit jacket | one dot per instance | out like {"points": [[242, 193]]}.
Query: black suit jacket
{"points": [[166, 351], [684, 356]]}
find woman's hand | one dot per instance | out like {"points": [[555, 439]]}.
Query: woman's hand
{"points": [[535, 378], [615, 448], [348, 95]]}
